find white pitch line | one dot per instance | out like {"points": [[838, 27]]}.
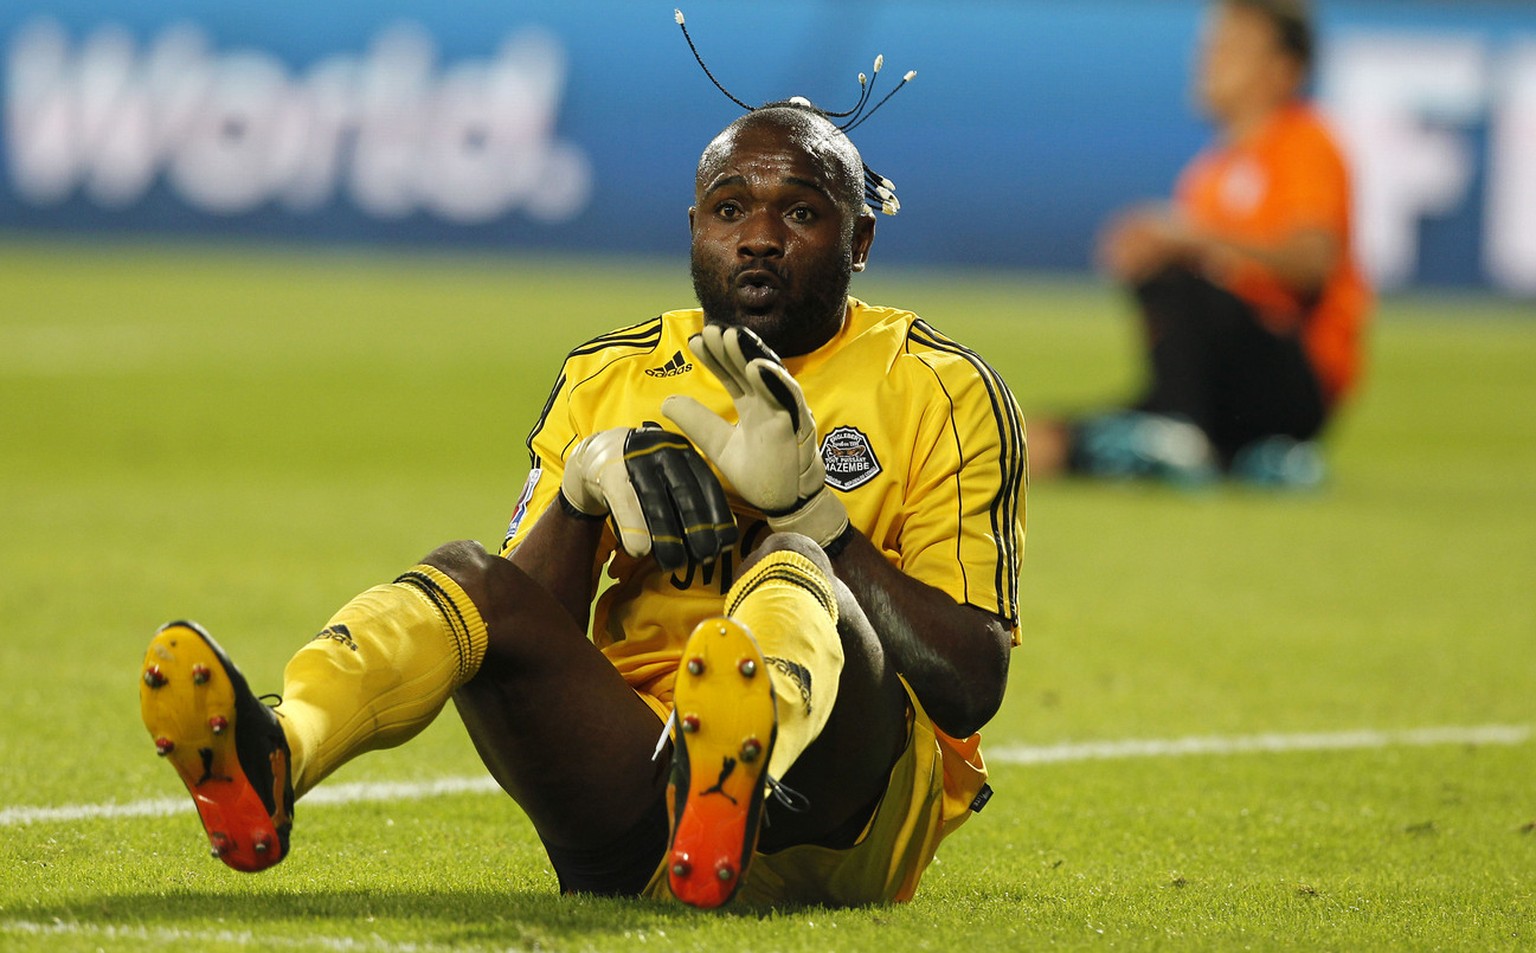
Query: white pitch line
{"points": [[161, 937], [1248, 744], [352, 793], [393, 791]]}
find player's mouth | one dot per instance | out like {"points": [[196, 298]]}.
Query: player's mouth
{"points": [[757, 289]]}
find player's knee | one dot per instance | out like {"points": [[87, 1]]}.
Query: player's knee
{"points": [[461, 555], [789, 542], [465, 562]]}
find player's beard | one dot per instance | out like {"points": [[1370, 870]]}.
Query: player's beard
{"points": [[810, 309]]}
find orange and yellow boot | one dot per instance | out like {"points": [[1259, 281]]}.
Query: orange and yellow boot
{"points": [[227, 746], [726, 727]]}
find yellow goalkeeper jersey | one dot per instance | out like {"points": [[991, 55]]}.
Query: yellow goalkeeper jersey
{"points": [[921, 439]]}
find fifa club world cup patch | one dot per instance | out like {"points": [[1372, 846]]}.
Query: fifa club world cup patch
{"points": [[521, 510], [848, 457]]}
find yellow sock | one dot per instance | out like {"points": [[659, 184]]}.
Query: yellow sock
{"points": [[379, 671], [791, 610]]}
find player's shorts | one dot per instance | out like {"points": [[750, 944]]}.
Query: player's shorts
{"points": [[888, 858]]}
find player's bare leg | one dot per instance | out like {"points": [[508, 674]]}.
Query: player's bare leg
{"points": [[777, 692], [842, 773], [571, 742], [560, 729]]}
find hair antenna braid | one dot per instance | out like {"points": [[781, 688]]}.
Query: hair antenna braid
{"points": [[857, 121], [866, 87], [879, 192], [678, 16]]}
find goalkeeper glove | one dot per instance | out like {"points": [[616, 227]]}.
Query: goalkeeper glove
{"points": [[659, 493], [770, 455]]}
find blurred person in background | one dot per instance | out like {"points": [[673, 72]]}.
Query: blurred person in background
{"points": [[1246, 283]]}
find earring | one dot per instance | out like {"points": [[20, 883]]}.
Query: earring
{"points": [[858, 266]]}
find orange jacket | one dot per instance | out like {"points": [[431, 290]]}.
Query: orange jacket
{"points": [[1289, 175]]}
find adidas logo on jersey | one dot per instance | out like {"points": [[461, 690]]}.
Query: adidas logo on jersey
{"points": [[672, 368]]}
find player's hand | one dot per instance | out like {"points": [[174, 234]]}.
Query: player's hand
{"points": [[656, 489], [771, 454]]}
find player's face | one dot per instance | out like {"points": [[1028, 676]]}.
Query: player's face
{"points": [[772, 248], [1241, 64]]}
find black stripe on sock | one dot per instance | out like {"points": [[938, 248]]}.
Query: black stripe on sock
{"points": [[787, 573], [450, 613]]}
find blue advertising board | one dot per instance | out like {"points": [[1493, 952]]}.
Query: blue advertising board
{"points": [[576, 126]]}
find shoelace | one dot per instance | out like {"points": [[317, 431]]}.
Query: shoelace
{"points": [[666, 733], [791, 799]]}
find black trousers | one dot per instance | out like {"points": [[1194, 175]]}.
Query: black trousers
{"points": [[1214, 363]]}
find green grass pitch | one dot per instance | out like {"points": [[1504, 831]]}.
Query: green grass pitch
{"points": [[249, 437]]}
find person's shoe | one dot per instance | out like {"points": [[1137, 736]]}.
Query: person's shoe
{"points": [[1280, 462], [1135, 445], [227, 746], [726, 726]]}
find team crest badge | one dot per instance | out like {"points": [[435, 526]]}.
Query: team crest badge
{"points": [[849, 459]]}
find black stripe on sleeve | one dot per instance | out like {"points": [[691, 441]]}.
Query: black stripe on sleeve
{"points": [[1004, 510], [636, 338]]}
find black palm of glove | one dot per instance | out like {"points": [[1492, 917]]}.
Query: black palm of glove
{"points": [[660, 494]]}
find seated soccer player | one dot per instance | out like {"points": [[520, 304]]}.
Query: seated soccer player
{"points": [[813, 602], [1252, 303]]}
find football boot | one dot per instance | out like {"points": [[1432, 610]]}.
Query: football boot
{"points": [[725, 729], [227, 746]]}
